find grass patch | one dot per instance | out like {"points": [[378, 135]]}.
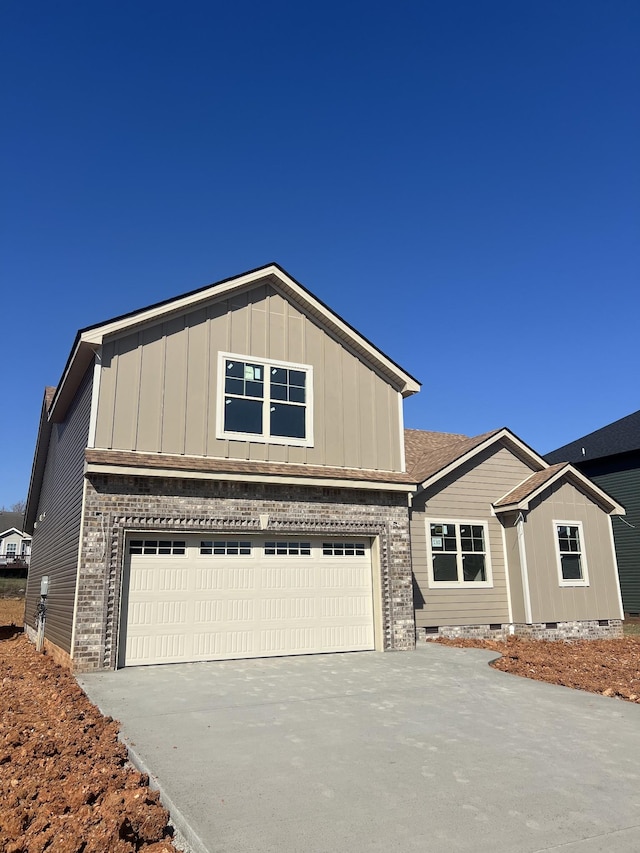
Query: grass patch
{"points": [[12, 587], [631, 628]]}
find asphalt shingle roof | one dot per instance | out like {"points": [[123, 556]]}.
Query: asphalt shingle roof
{"points": [[528, 486], [622, 436], [427, 453]]}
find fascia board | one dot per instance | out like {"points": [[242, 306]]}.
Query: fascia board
{"points": [[185, 474], [504, 433], [14, 530]]}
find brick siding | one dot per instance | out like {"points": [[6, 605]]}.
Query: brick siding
{"points": [[590, 629], [117, 504]]}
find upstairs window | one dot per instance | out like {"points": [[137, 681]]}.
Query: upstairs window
{"points": [[458, 554], [572, 563], [265, 401]]}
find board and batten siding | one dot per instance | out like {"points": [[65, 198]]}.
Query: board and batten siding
{"points": [[56, 537], [159, 394], [551, 602], [624, 486], [466, 495]]}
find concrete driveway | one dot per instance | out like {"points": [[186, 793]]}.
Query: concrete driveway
{"points": [[431, 751]]}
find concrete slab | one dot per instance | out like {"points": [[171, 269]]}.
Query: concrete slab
{"points": [[431, 750]]}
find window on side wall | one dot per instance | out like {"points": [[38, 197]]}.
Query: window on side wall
{"points": [[458, 554], [265, 400], [572, 561]]}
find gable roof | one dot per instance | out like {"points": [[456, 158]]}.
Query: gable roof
{"points": [[432, 455], [11, 521], [90, 338], [520, 497], [622, 436]]}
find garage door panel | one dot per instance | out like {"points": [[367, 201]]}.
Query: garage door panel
{"points": [[289, 577], [292, 598], [289, 608], [225, 577]]}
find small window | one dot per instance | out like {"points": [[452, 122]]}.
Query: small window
{"points": [[572, 563], [150, 547], [223, 547], [287, 549], [343, 549], [458, 554]]}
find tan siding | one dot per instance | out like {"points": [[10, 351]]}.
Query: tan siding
{"points": [[549, 601], [158, 390], [151, 389], [466, 496], [515, 569], [57, 534], [197, 369]]}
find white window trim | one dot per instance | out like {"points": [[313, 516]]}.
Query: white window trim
{"points": [[584, 581], [263, 438], [478, 522]]}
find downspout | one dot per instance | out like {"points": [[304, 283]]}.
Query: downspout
{"points": [[523, 568]]}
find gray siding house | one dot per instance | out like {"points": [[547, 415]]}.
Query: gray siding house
{"points": [[226, 475], [610, 457]]}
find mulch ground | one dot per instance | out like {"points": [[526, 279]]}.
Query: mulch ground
{"points": [[66, 785]]}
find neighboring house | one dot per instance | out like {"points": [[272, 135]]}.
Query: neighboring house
{"points": [[610, 456], [15, 545], [223, 475], [502, 542]]}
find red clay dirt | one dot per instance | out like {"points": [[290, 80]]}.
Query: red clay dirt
{"points": [[609, 667], [65, 784]]}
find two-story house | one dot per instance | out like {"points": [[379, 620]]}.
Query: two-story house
{"points": [[226, 475], [222, 475]]}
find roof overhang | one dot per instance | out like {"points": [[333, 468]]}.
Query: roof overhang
{"points": [[534, 459], [14, 530], [597, 494]]}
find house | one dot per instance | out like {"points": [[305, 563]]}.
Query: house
{"points": [[502, 542], [226, 475], [15, 544], [222, 475], [610, 456]]}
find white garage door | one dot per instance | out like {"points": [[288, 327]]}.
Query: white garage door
{"points": [[210, 597]]}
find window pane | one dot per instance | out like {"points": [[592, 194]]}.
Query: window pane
{"points": [[243, 415], [450, 542], [234, 386], [473, 569], [297, 377], [466, 543], [253, 372], [571, 568], [288, 420], [279, 375], [254, 389], [444, 567], [297, 395], [278, 392], [235, 368]]}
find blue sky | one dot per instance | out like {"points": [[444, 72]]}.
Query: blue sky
{"points": [[459, 180]]}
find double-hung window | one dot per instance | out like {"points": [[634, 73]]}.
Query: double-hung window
{"points": [[265, 400], [572, 562], [458, 554]]}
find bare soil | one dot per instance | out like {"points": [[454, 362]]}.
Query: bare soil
{"points": [[66, 785], [609, 667]]}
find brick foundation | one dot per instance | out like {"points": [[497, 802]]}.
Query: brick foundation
{"points": [[117, 504], [590, 629]]}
